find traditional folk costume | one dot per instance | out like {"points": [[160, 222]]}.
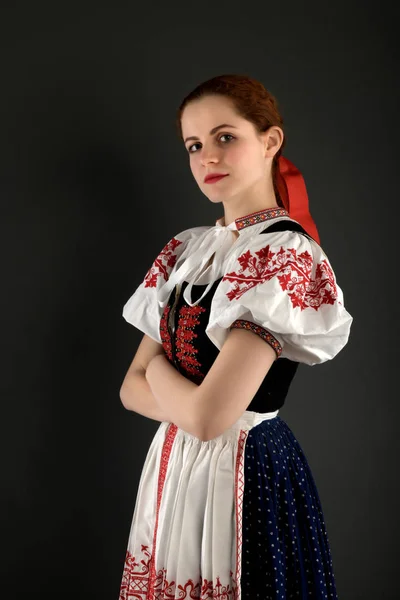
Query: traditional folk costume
{"points": [[238, 516]]}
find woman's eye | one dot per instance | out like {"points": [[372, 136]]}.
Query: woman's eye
{"points": [[190, 148], [224, 135]]}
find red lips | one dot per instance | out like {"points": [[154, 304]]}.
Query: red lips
{"points": [[211, 177]]}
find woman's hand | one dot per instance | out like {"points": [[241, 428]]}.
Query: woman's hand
{"points": [[173, 392]]}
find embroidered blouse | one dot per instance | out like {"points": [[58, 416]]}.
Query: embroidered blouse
{"points": [[278, 285]]}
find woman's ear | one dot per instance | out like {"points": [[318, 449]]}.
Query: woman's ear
{"points": [[273, 140]]}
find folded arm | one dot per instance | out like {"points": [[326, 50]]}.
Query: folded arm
{"points": [[208, 409], [135, 392]]}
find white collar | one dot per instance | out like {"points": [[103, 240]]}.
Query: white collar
{"points": [[219, 240]]}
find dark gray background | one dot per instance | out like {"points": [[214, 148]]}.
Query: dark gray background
{"points": [[94, 182]]}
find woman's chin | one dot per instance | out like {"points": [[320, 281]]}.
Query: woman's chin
{"points": [[217, 195], [216, 199]]}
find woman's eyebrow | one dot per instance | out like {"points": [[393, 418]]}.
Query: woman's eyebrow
{"points": [[193, 137]]}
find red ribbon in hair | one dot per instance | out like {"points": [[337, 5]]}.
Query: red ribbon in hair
{"points": [[292, 190]]}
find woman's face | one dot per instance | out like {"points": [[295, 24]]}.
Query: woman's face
{"points": [[236, 149]]}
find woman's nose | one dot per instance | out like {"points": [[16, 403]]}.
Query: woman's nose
{"points": [[209, 154]]}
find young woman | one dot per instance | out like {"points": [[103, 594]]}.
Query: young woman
{"points": [[227, 506]]}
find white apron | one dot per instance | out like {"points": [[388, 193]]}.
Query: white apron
{"points": [[186, 534]]}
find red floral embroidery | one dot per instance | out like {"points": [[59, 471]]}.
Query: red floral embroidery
{"points": [[164, 333], [185, 334], [136, 584], [135, 577], [293, 272], [163, 263]]}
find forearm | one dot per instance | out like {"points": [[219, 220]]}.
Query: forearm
{"points": [[175, 394], [137, 396]]}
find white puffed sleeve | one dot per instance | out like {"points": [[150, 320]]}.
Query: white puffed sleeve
{"points": [[281, 286], [143, 309]]}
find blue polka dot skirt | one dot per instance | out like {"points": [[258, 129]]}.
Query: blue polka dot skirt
{"points": [[235, 517], [286, 551]]}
